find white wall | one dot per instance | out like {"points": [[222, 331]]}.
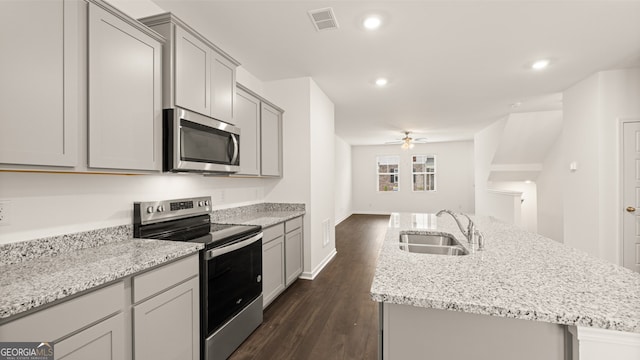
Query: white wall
{"points": [[485, 143], [592, 112], [454, 179], [504, 205], [53, 204], [308, 162], [322, 176], [343, 181], [526, 216], [550, 194]]}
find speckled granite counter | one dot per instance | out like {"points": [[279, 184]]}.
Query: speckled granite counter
{"points": [[520, 275], [265, 214], [39, 272]]}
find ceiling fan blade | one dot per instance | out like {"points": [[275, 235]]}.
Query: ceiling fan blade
{"points": [[394, 142]]}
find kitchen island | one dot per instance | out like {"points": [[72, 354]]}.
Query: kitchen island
{"points": [[533, 290]]}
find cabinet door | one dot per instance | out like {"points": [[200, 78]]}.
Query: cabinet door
{"points": [[38, 88], [192, 73], [103, 341], [272, 270], [223, 88], [167, 326], [293, 256], [248, 120], [271, 136], [125, 107]]}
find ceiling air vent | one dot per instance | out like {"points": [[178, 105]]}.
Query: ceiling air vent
{"points": [[323, 19]]}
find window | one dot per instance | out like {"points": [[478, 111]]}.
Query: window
{"points": [[424, 172], [388, 172]]}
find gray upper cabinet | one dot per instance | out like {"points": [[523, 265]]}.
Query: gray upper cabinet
{"points": [[125, 106], [198, 75], [271, 141], [193, 65], [261, 139], [248, 120], [223, 88], [39, 99]]}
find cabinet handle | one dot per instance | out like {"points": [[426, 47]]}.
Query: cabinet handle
{"points": [[631, 209]]}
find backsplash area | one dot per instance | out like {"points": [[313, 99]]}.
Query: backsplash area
{"points": [[47, 204], [13, 253]]}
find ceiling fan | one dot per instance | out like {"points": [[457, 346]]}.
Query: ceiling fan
{"points": [[407, 141]]}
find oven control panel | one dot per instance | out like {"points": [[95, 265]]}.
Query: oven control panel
{"points": [[153, 211]]}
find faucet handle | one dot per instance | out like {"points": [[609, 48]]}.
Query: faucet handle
{"points": [[479, 239]]}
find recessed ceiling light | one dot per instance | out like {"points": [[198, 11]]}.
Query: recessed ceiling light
{"points": [[372, 22], [381, 81], [516, 105], [540, 64]]}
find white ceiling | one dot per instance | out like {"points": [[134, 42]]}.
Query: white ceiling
{"points": [[453, 66]]}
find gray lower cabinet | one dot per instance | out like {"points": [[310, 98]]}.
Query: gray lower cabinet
{"points": [[166, 311], [293, 247], [273, 273], [170, 319], [103, 341], [125, 105], [39, 98], [158, 320], [282, 257], [97, 313]]}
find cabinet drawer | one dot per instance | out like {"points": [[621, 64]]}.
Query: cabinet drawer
{"points": [[67, 317], [157, 280], [272, 233], [293, 224]]}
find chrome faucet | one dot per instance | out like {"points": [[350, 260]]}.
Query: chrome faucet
{"points": [[473, 235]]}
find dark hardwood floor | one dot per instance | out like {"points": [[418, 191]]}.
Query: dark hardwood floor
{"points": [[333, 316]]}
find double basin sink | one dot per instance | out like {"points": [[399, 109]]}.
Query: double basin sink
{"points": [[436, 244]]}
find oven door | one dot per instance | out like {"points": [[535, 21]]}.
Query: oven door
{"points": [[233, 280], [196, 143]]}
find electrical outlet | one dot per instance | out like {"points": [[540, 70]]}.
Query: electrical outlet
{"points": [[5, 212]]}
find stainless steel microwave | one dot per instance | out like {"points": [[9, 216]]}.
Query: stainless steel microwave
{"points": [[197, 143]]}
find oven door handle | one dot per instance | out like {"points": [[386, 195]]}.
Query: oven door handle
{"points": [[210, 254]]}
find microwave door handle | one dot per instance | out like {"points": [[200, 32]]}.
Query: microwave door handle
{"points": [[235, 149]]}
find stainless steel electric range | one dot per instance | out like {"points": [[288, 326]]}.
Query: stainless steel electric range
{"points": [[230, 268]]}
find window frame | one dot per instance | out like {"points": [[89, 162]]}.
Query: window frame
{"points": [[394, 174], [425, 173]]}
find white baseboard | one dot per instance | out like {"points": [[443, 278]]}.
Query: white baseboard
{"points": [[312, 275], [339, 220], [371, 213]]}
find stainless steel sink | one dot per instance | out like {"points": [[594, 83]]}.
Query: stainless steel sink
{"points": [[435, 244], [428, 239]]}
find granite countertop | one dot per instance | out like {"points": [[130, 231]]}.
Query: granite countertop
{"points": [[264, 219], [265, 215], [45, 278], [519, 275]]}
